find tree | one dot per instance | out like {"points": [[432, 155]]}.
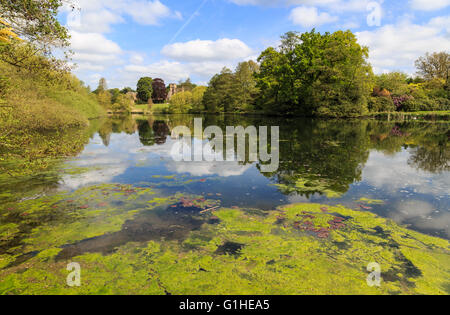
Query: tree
{"points": [[36, 21], [395, 82], [181, 102], [114, 95], [186, 85], [197, 99], [126, 90], [246, 83], [144, 89], [221, 93], [316, 74], [123, 103], [104, 99], [434, 66], [159, 94]]}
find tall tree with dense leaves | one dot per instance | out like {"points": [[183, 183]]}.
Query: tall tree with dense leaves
{"points": [[145, 89], [316, 74], [159, 94], [434, 66], [221, 95], [246, 85]]}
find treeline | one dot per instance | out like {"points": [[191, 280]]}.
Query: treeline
{"points": [[313, 74], [45, 111]]}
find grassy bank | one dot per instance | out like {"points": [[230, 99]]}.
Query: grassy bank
{"points": [[43, 116]]}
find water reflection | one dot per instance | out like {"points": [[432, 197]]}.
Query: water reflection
{"points": [[404, 164]]}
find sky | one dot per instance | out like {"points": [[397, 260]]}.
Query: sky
{"points": [[123, 40]]}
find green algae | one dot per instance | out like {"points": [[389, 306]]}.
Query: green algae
{"points": [[245, 252], [371, 201], [309, 187]]}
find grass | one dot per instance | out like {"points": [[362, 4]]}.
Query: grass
{"points": [[160, 108], [31, 102]]}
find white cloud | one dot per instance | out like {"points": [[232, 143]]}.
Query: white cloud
{"points": [[310, 17], [427, 5], [397, 46], [92, 19], [207, 50], [93, 43]]}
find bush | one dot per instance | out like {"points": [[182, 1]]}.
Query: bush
{"points": [[381, 104], [420, 104], [181, 103]]}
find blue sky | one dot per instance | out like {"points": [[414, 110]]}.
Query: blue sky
{"points": [[123, 40]]}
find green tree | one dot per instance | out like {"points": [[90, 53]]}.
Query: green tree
{"points": [[316, 74], [394, 82], [123, 103], [434, 66], [126, 90], [187, 85], [181, 102], [221, 93], [144, 89], [197, 99], [114, 94], [246, 85], [36, 21], [104, 99]]}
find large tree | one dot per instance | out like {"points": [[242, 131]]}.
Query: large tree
{"points": [[159, 91], [144, 89], [316, 74], [434, 66]]}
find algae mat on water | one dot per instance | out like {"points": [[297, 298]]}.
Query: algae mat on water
{"points": [[131, 240]]}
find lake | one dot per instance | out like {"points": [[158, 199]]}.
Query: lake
{"points": [[345, 193]]}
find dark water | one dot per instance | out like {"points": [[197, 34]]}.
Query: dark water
{"points": [[403, 164]]}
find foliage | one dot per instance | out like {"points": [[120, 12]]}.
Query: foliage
{"points": [[315, 74], [144, 89], [197, 99], [434, 66], [187, 85], [381, 104], [181, 102], [232, 92], [394, 82], [104, 99], [122, 104], [36, 21], [6, 33], [159, 91]]}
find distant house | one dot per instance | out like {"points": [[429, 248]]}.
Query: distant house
{"points": [[132, 95], [173, 89]]}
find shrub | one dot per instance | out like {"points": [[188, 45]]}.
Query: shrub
{"points": [[399, 101], [381, 104], [420, 104]]}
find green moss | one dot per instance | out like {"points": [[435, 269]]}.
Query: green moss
{"points": [[274, 252]]}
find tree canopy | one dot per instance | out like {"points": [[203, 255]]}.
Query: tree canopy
{"points": [[36, 21], [144, 89], [316, 74], [434, 66]]}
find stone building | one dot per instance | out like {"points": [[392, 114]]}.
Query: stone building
{"points": [[173, 89]]}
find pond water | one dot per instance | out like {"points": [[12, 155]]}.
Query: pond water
{"points": [[98, 202], [405, 165]]}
